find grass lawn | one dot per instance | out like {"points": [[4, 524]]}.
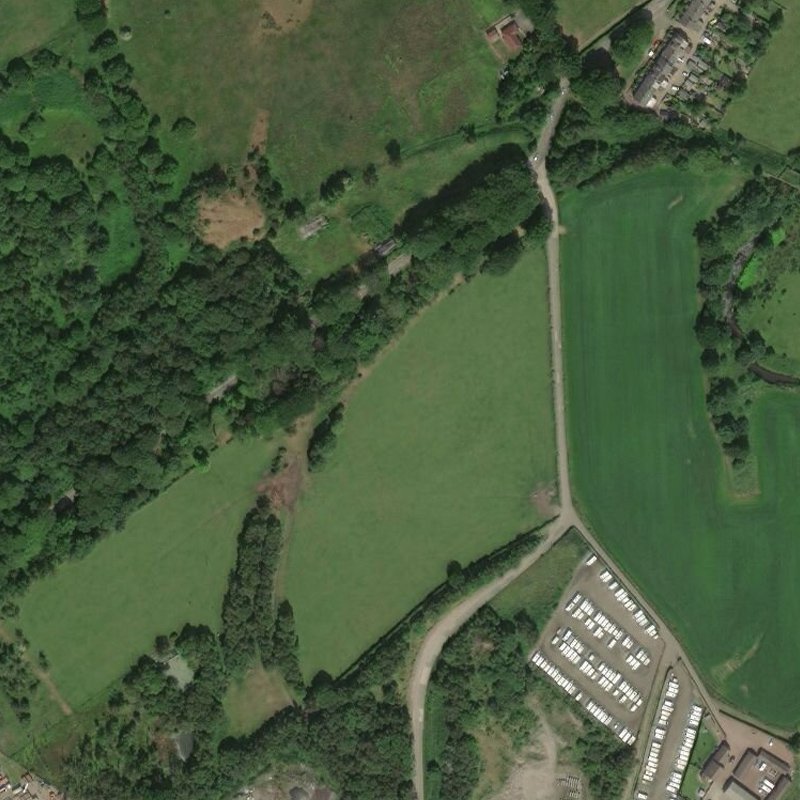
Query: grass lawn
{"points": [[337, 87], [438, 454], [27, 24], [586, 19], [170, 565], [646, 468], [769, 111], [255, 698], [538, 590]]}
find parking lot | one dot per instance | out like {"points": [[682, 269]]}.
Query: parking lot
{"points": [[602, 649], [670, 738]]}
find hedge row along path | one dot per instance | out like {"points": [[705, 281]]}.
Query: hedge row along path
{"points": [[568, 516]]}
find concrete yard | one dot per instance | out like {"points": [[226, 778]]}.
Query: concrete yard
{"points": [[602, 649]]}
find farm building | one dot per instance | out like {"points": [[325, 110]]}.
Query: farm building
{"points": [[716, 761], [510, 31], [758, 776]]}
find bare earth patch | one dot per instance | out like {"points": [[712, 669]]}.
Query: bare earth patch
{"points": [[229, 218], [544, 499], [283, 489], [534, 775], [258, 135], [675, 202], [283, 16]]}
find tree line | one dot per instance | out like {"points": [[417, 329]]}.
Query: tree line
{"points": [[738, 229]]}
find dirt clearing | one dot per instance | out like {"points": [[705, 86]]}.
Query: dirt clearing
{"points": [[229, 218], [283, 16], [535, 774], [544, 498]]}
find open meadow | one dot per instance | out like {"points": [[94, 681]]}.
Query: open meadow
{"points": [[586, 19], [336, 81], [94, 617], [769, 110], [439, 453], [647, 470], [27, 24]]}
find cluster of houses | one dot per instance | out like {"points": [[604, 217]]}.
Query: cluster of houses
{"points": [[29, 787], [676, 69]]}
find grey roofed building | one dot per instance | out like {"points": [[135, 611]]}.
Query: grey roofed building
{"points": [[716, 761], [738, 791], [662, 64]]}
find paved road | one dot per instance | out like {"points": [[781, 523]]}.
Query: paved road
{"points": [[568, 516]]}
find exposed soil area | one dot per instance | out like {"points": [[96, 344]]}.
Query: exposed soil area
{"points": [[258, 135], [535, 774], [283, 16], [230, 217], [545, 499], [283, 489]]}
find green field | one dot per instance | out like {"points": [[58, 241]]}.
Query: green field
{"points": [[586, 19], [170, 565], [254, 698], [538, 589], [438, 454], [27, 24], [335, 91], [769, 111], [647, 470]]}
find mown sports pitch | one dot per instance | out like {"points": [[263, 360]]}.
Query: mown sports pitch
{"points": [[438, 455], [647, 470]]}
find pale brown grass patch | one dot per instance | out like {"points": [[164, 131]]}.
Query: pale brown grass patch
{"points": [[229, 218]]}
